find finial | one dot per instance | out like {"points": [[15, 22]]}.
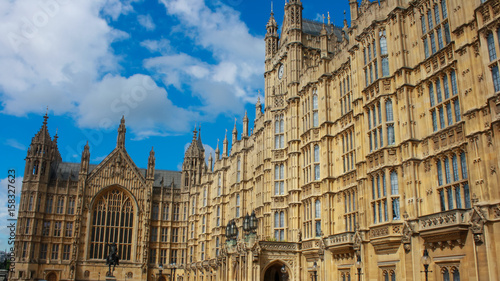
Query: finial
{"points": [[271, 7], [345, 16], [323, 16], [328, 18], [46, 116]]}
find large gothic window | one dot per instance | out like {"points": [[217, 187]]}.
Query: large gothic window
{"points": [[112, 222]]}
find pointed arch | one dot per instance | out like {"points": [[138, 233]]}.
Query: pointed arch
{"points": [[113, 211]]}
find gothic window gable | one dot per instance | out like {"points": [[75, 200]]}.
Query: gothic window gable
{"points": [[112, 222]]}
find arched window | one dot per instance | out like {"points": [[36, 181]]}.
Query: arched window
{"points": [[395, 197], [279, 226], [491, 47], [454, 162], [394, 183], [279, 132], [317, 212], [315, 109], [389, 116], [237, 205], [316, 163], [112, 222], [205, 197], [238, 170], [439, 172], [203, 224], [279, 179], [317, 215], [219, 185], [446, 87], [218, 215], [438, 91]]}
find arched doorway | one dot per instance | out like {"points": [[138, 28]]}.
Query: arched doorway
{"points": [[162, 278], [52, 277], [273, 273]]}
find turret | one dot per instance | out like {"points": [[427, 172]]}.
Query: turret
{"points": [[210, 163], [272, 37], [324, 40], [353, 6], [42, 153], [194, 162], [120, 142], [217, 151], [244, 134], [235, 133], [151, 165], [225, 146], [84, 164], [258, 108], [293, 16]]}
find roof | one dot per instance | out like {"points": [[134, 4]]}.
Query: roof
{"points": [[314, 28], [66, 170]]}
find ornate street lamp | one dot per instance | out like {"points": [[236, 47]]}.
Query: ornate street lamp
{"points": [[228, 230], [160, 267], [246, 223], [283, 271], [359, 265], [315, 271], [253, 222], [426, 260]]}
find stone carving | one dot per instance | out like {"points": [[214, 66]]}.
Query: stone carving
{"points": [[477, 224], [407, 233]]}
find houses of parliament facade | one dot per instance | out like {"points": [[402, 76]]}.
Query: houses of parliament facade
{"points": [[373, 156]]}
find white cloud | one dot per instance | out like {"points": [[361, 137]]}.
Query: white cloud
{"points": [[59, 53], [51, 49], [162, 46], [15, 144], [236, 74], [146, 21], [146, 106]]}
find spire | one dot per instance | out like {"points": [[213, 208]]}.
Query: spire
{"points": [[194, 134], [245, 125], [258, 107], [200, 144], [151, 164], [211, 163], [328, 18], [217, 151], [84, 165], [235, 132], [225, 146], [120, 142]]}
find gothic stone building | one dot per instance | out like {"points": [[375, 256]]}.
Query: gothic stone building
{"points": [[377, 141]]}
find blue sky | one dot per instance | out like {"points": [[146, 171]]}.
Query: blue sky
{"points": [[167, 65]]}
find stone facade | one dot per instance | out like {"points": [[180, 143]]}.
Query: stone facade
{"points": [[377, 140]]}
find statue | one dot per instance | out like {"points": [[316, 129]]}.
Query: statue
{"points": [[112, 259]]}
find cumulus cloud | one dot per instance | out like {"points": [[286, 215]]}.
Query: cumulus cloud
{"points": [[146, 21], [51, 49], [162, 46], [147, 107], [59, 53], [232, 79]]}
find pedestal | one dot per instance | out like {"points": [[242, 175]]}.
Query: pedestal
{"points": [[110, 278]]}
